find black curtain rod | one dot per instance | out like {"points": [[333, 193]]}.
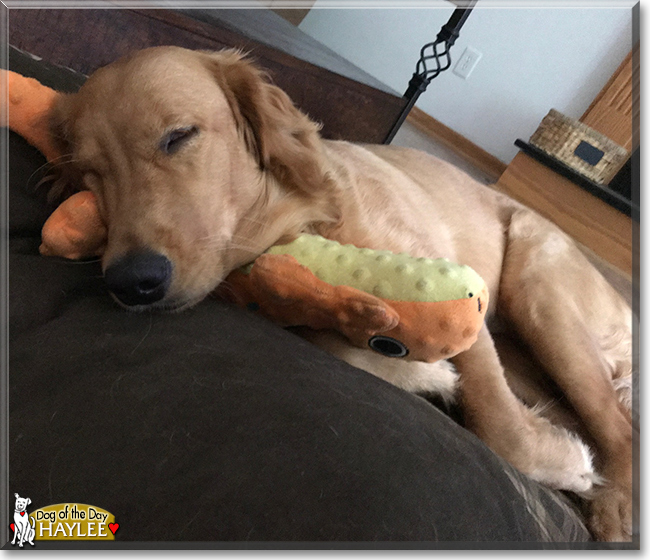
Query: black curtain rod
{"points": [[438, 53]]}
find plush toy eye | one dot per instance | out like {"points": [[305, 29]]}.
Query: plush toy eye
{"points": [[177, 138], [388, 346]]}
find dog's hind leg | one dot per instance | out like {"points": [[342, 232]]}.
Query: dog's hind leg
{"points": [[579, 329]]}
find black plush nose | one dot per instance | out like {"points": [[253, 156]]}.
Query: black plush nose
{"points": [[139, 278]]}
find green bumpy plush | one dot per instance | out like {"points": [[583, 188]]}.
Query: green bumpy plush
{"points": [[387, 275]]}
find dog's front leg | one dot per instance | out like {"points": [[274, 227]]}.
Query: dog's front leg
{"points": [[532, 444]]}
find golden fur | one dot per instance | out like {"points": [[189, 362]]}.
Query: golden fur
{"points": [[258, 171]]}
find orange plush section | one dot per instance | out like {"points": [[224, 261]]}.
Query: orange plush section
{"points": [[30, 103], [290, 294], [75, 229], [438, 330]]}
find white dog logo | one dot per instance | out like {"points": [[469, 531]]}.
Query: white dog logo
{"points": [[23, 529]]}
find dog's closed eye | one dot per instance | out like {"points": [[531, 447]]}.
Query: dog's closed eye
{"points": [[177, 138]]}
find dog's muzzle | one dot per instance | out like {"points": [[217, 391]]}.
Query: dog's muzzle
{"points": [[139, 278]]}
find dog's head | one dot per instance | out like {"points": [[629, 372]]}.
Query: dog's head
{"points": [[22, 503], [198, 164]]}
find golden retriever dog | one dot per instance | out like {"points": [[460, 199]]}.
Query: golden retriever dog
{"points": [[199, 164]]}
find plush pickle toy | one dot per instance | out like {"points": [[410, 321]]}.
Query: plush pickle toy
{"points": [[398, 305], [426, 309]]}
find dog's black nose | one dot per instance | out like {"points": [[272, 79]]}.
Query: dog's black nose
{"points": [[139, 278]]}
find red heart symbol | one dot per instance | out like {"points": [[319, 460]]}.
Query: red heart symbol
{"points": [[113, 527], [13, 527], [22, 513]]}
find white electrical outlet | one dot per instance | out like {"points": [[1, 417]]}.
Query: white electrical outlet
{"points": [[467, 62]]}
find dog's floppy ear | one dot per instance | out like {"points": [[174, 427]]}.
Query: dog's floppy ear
{"points": [[284, 140], [29, 501], [59, 123], [65, 180]]}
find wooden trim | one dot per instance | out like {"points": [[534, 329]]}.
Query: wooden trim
{"points": [[612, 112], [293, 15], [615, 76], [477, 156]]}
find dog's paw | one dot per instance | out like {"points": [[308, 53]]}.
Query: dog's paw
{"points": [[610, 514], [562, 461]]}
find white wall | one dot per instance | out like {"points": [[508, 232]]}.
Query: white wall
{"points": [[534, 58]]}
